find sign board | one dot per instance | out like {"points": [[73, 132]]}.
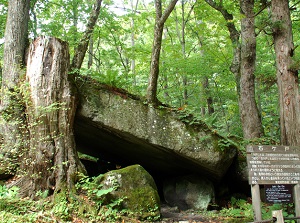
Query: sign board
{"points": [[273, 164], [279, 193], [278, 168]]}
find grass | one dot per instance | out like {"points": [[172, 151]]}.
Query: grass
{"points": [[14, 209]]}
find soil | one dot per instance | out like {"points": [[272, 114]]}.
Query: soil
{"points": [[174, 215]]}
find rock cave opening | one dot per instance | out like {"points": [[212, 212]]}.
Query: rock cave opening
{"points": [[224, 190], [114, 149], [105, 163]]}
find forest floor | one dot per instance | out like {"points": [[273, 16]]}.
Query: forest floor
{"points": [[173, 215]]}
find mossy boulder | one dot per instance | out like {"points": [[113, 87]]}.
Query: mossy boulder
{"points": [[137, 189]]}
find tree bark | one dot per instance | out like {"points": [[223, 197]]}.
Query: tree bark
{"points": [[51, 163], [235, 40], [287, 76], [207, 94], [91, 52], [13, 126], [250, 117], [181, 34], [160, 20], [84, 42], [243, 65], [132, 66]]}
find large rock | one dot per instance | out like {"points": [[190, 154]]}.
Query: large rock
{"points": [[189, 192], [138, 189], [113, 124]]}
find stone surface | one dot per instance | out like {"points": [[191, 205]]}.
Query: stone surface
{"points": [[117, 126], [138, 189], [189, 192]]}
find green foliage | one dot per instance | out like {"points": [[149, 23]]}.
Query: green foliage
{"points": [[10, 193], [286, 210], [16, 210], [239, 208], [206, 53], [107, 210], [91, 187], [12, 209], [87, 206]]}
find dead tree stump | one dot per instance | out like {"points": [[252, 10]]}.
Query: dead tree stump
{"points": [[51, 162]]}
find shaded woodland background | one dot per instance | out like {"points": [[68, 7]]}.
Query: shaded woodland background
{"points": [[195, 68]]}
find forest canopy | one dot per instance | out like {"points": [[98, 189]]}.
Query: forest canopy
{"points": [[195, 66]]}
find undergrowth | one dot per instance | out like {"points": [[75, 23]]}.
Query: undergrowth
{"points": [[87, 206], [242, 209], [90, 207]]}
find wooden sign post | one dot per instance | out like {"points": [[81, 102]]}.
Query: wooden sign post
{"points": [[278, 215], [277, 167]]}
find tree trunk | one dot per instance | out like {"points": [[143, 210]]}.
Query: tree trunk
{"points": [[154, 65], [234, 37], [251, 121], [91, 52], [51, 163], [249, 113], [181, 37], [13, 126], [84, 42], [207, 94], [132, 67], [287, 76]]}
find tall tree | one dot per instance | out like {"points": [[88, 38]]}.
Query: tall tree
{"points": [[234, 37], [181, 35], [51, 162], [160, 20], [133, 11], [250, 117], [287, 73], [84, 42], [12, 110], [243, 65]]}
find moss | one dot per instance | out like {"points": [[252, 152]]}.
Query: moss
{"points": [[66, 203], [139, 191], [87, 157]]}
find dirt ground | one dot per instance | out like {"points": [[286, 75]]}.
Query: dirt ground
{"points": [[173, 215]]}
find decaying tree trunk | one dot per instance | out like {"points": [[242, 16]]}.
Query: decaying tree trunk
{"points": [[51, 163]]}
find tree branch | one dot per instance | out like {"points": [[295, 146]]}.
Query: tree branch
{"points": [[167, 12]]}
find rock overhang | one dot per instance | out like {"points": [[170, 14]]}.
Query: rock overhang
{"points": [[117, 126]]}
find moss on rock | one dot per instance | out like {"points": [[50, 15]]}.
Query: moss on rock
{"points": [[113, 123], [138, 189]]}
